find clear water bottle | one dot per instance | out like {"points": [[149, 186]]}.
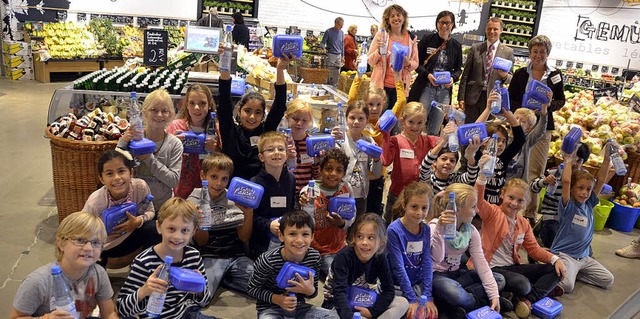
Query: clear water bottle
{"points": [[551, 189], [314, 90], [489, 167], [384, 36], [211, 128], [205, 206], [289, 97], [291, 162], [364, 53], [63, 299], [341, 122], [449, 109], [329, 124], [135, 118], [616, 158], [290, 314], [225, 57], [496, 105], [454, 144], [156, 300], [283, 125], [247, 89], [450, 229], [357, 315], [421, 311], [144, 204], [310, 207]]}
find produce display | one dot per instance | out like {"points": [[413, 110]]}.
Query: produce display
{"points": [[312, 43], [629, 195], [259, 68], [65, 40], [176, 36], [106, 36], [132, 42]]}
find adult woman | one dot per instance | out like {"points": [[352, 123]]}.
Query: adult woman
{"points": [[394, 22], [537, 69], [240, 31], [350, 49], [437, 52]]}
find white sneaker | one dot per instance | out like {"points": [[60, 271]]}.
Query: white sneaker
{"points": [[631, 251]]}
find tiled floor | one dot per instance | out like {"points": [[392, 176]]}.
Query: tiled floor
{"points": [[28, 218]]}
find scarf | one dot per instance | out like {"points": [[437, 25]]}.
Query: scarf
{"points": [[463, 236]]}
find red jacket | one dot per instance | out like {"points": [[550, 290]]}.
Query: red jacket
{"points": [[350, 52]]}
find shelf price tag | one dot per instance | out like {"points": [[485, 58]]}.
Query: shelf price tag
{"points": [[155, 47]]}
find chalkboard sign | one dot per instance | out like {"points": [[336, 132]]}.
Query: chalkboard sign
{"points": [[309, 32], [634, 102], [148, 21], [170, 22], [610, 91], [61, 16], [155, 47], [559, 63], [569, 64], [118, 19], [615, 70], [605, 69], [82, 17], [595, 68], [183, 23], [579, 65]]}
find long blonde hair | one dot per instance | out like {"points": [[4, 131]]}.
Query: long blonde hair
{"points": [[413, 189], [156, 97], [464, 193]]}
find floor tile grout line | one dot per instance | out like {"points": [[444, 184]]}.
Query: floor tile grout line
{"points": [[35, 241]]}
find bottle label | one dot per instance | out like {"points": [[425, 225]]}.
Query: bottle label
{"points": [[244, 192], [155, 304]]}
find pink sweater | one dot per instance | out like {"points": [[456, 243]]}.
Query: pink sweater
{"points": [[451, 257], [380, 63], [406, 158]]}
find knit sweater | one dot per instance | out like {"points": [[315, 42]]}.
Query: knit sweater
{"points": [[406, 158], [519, 165]]}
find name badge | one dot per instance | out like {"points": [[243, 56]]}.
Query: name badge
{"points": [[362, 157], [520, 239], [431, 50], [405, 153], [453, 260], [278, 201], [254, 140], [305, 159], [555, 79], [580, 220], [414, 247]]}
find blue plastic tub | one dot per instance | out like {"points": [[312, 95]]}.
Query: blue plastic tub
{"points": [[388, 120], [484, 313], [343, 206], [623, 218], [245, 192], [467, 131], [546, 308], [361, 297], [443, 77]]}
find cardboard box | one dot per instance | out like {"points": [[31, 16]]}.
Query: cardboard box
{"points": [[16, 48], [18, 61], [20, 73]]}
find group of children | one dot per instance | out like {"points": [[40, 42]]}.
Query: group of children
{"points": [[246, 248]]}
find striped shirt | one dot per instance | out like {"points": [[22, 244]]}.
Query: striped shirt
{"points": [[427, 175], [262, 284], [549, 209], [306, 169], [177, 302]]}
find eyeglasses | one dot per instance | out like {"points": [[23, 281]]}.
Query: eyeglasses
{"points": [[153, 110], [81, 242], [445, 23], [275, 149]]}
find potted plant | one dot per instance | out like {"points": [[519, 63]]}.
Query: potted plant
{"points": [[247, 9]]}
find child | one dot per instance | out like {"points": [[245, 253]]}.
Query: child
{"points": [[504, 153], [240, 141], [572, 243], [408, 246], [331, 229], [299, 117], [438, 166], [161, 170], [549, 211], [279, 192], [363, 264], [194, 117], [89, 283], [376, 100], [360, 164], [296, 231], [177, 221], [456, 288], [222, 246], [115, 168], [503, 233], [406, 151]]}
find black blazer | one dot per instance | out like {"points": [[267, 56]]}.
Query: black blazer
{"points": [[454, 57], [519, 85]]}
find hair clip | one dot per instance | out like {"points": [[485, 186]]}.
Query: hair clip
{"points": [[126, 154]]}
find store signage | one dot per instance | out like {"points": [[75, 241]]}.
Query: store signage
{"points": [[615, 70], [155, 47], [569, 64], [595, 68], [634, 102], [559, 63], [610, 91], [579, 65]]}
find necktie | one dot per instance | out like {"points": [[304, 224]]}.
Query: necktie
{"points": [[487, 68]]}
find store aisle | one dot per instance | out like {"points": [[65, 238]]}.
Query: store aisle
{"points": [[28, 219]]}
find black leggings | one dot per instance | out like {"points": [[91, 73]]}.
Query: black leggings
{"points": [[145, 237], [532, 281]]}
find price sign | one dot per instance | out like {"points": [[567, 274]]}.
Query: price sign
{"points": [[309, 33], [569, 64], [595, 68], [559, 63], [634, 102], [615, 70], [579, 65], [155, 47], [610, 91], [605, 69]]}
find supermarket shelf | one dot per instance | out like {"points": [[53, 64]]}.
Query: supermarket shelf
{"points": [[230, 13], [514, 20], [245, 1], [517, 46], [515, 33], [510, 7]]}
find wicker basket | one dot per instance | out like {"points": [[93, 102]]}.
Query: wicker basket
{"points": [[313, 75], [75, 174]]}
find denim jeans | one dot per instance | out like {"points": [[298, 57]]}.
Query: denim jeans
{"points": [[462, 288], [548, 231], [532, 281], [398, 308], [194, 313], [303, 311], [435, 115], [233, 273], [388, 216], [325, 264]]}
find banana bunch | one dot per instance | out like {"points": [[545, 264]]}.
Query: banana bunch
{"points": [[68, 40]]}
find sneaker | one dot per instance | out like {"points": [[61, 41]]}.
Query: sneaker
{"points": [[523, 308], [505, 305], [631, 251], [556, 292]]}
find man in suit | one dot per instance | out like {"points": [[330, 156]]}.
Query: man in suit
{"points": [[478, 76]]}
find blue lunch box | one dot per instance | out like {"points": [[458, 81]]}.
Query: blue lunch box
{"points": [[484, 313], [116, 215], [530, 102], [398, 53], [443, 77], [318, 143], [387, 121], [237, 86], [546, 308], [343, 206], [467, 131], [370, 149], [538, 90], [289, 271], [187, 279], [143, 146], [287, 44], [506, 103], [361, 297], [571, 140], [245, 192], [502, 64], [193, 142]]}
